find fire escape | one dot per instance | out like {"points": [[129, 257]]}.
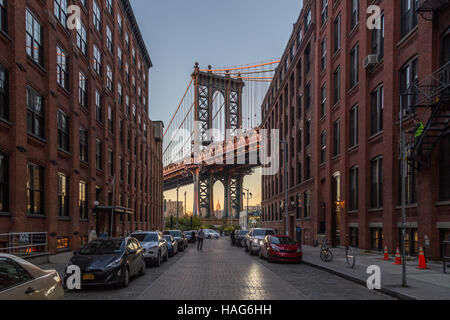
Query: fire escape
{"points": [[433, 95], [431, 5]]}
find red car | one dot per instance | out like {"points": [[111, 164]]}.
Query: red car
{"points": [[280, 248]]}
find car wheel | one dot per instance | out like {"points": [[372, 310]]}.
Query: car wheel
{"points": [[143, 269], [126, 278]]}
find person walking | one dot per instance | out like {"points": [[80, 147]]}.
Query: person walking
{"points": [[201, 236], [92, 235]]}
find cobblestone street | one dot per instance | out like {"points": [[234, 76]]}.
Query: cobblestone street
{"points": [[228, 273]]}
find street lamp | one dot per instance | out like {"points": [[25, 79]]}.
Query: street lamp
{"points": [[286, 209], [249, 196]]}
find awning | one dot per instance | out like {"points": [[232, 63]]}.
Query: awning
{"points": [[115, 210]]}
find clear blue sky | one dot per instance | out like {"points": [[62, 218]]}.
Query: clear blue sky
{"points": [[218, 32]]}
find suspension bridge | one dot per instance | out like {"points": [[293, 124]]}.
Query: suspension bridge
{"points": [[213, 134]]}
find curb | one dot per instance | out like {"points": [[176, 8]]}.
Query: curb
{"points": [[388, 292]]}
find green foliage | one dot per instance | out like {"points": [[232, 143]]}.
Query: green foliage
{"points": [[184, 223]]}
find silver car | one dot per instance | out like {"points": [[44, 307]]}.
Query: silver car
{"points": [[155, 246], [21, 280], [255, 238]]}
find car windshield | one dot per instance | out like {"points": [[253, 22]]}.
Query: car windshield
{"points": [[188, 233], [146, 237], [262, 232], [103, 247], [281, 240], [175, 233], [243, 232]]}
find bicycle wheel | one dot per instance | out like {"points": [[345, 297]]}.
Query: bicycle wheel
{"points": [[329, 256], [325, 255], [350, 257]]}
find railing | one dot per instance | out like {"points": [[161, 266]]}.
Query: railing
{"points": [[431, 5], [429, 89], [24, 243]]}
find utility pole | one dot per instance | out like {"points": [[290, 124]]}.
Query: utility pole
{"points": [[178, 188], [185, 202], [286, 186]]}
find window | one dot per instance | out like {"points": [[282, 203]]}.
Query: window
{"points": [[121, 131], [376, 239], [129, 173], [60, 11], [34, 38], [376, 113], [63, 131], [109, 6], [299, 37], [308, 20], [323, 59], [354, 19], [354, 126], [121, 174], [109, 40], [119, 94], [324, 12], [111, 163], [83, 200], [62, 71], [82, 90], [444, 169], [336, 138], [307, 204], [354, 188], [99, 154], [308, 168], [4, 93], [119, 24], [63, 195], [299, 172], [408, 77], [323, 147], [119, 57], [307, 59], [308, 133], [408, 16], [378, 39], [97, 17], [109, 78], [13, 275], [110, 119], [354, 66], [98, 107], [127, 42], [323, 100], [97, 60], [4, 15], [299, 140], [376, 183], [337, 33], [82, 38], [410, 184], [35, 113], [4, 183], [35, 189], [308, 96], [337, 85], [84, 145]]}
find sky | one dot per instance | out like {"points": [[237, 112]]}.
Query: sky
{"points": [[220, 33]]}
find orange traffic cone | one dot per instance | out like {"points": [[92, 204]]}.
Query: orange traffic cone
{"points": [[422, 260], [386, 254], [398, 258]]}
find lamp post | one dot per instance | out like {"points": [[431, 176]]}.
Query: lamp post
{"points": [[178, 189], [286, 209], [249, 196], [185, 202]]}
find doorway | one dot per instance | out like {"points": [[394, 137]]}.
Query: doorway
{"points": [[336, 209]]}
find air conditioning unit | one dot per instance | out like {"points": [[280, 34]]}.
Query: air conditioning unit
{"points": [[370, 61], [158, 130]]}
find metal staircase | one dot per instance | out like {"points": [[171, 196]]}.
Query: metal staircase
{"points": [[433, 94]]}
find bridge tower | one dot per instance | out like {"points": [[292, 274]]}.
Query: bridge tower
{"points": [[206, 86]]}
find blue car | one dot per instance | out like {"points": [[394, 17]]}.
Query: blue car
{"points": [[172, 245]]}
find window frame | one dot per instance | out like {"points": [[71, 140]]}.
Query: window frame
{"points": [[63, 131]]}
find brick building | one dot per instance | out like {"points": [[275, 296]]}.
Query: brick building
{"points": [[74, 115], [339, 113]]}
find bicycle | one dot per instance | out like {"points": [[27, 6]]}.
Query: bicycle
{"points": [[325, 253]]}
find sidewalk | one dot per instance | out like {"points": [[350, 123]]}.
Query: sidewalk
{"points": [[431, 284]]}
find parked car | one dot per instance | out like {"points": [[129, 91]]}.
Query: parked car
{"points": [[254, 239], [240, 236], [280, 248], [180, 237], [172, 245], [155, 247], [109, 261], [211, 234], [190, 236], [21, 280]]}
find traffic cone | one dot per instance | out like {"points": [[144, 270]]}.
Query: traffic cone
{"points": [[422, 260], [386, 254], [398, 258]]}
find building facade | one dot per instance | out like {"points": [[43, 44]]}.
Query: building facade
{"points": [[339, 113], [76, 140], [171, 209]]}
